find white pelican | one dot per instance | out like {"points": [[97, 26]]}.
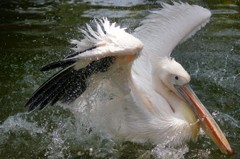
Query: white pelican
{"points": [[164, 104]]}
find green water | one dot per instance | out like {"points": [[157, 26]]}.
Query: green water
{"points": [[34, 33]]}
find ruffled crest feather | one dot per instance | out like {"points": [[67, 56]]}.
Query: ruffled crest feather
{"points": [[92, 38]]}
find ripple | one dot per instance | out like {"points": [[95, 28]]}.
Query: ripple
{"points": [[123, 3], [106, 13], [225, 11]]}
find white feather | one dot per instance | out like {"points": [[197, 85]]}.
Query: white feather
{"points": [[163, 30], [149, 118], [99, 29], [109, 40]]}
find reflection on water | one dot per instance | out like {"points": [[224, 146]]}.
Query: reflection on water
{"points": [[34, 33]]}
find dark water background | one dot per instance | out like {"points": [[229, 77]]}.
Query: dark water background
{"points": [[36, 32]]}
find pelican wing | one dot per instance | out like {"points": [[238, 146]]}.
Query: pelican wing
{"points": [[162, 30], [108, 40], [100, 47]]}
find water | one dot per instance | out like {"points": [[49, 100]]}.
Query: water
{"points": [[34, 33]]}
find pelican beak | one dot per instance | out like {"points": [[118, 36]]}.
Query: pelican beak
{"points": [[207, 122]]}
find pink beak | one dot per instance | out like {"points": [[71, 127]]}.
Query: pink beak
{"points": [[207, 122]]}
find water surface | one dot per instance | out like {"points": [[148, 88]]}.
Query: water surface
{"points": [[34, 33]]}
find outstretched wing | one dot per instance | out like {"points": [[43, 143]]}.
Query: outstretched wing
{"points": [[163, 30], [101, 47]]}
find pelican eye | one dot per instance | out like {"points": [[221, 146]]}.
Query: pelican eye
{"points": [[176, 77]]}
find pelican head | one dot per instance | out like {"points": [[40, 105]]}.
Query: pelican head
{"points": [[171, 81], [170, 73]]}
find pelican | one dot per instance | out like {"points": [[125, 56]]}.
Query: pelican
{"points": [[163, 104]]}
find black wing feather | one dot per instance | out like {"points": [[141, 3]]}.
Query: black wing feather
{"points": [[69, 60], [80, 52], [63, 64], [67, 84]]}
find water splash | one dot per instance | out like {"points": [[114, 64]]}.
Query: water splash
{"points": [[57, 148], [17, 124], [163, 152]]}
